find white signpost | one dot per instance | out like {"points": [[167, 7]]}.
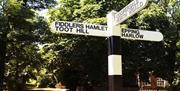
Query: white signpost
{"points": [[136, 34], [114, 54], [129, 10], [79, 28], [114, 33]]}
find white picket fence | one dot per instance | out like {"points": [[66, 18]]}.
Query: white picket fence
{"points": [[46, 89]]}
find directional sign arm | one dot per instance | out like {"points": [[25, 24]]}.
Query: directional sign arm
{"points": [[136, 34], [129, 10]]}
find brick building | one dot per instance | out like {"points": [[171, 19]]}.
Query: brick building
{"points": [[154, 83]]}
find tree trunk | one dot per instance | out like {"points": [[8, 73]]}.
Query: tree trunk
{"points": [[2, 59]]}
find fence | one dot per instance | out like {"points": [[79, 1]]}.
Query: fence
{"points": [[162, 89], [46, 89], [131, 89], [136, 89]]}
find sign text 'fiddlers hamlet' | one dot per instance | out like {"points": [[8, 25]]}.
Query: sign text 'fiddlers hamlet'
{"points": [[80, 28]]}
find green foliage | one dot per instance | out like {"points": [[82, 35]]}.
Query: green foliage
{"points": [[84, 2], [34, 57], [153, 18], [20, 32], [138, 60], [178, 15], [87, 11], [102, 20], [65, 14]]}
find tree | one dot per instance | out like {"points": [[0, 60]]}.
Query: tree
{"points": [[19, 34]]}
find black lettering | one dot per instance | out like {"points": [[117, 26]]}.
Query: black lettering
{"points": [[70, 29], [57, 28], [96, 27], [86, 32], [71, 25], [91, 27], [56, 24], [128, 31], [127, 35], [81, 25], [67, 24], [61, 28], [141, 36], [137, 36], [78, 30], [105, 28], [64, 29], [87, 26], [131, 35], [61, 24], [123, 31], [138, 32], [81, 30], [134, 31], [77, 25], [123, 34]]}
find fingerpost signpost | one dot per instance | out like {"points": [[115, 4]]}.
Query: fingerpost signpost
{"points": [[114, 33], [114, 56]]}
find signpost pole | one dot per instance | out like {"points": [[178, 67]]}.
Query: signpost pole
{"points": [[114, 55]]}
